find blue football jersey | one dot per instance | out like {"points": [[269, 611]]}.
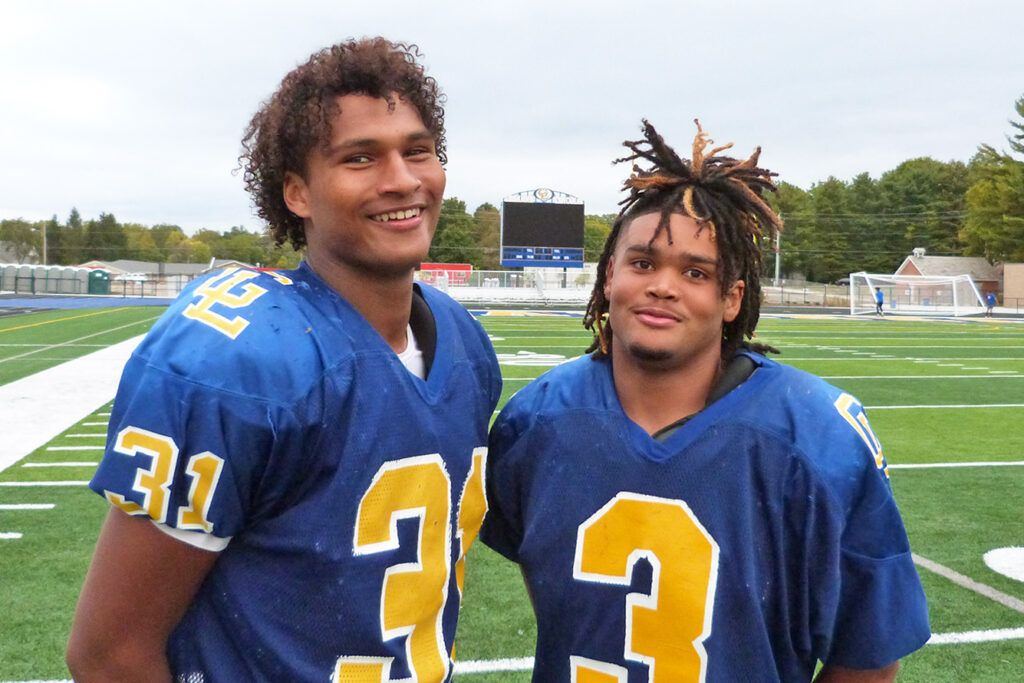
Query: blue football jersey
{"points": [[265, 415], [758, 538]]}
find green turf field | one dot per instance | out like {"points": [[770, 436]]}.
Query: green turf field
{"points": [[36, 341], [937, 394]]}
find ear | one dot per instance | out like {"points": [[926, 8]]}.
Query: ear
{"points": [[608, 276], [733, 301], [296, 194]]}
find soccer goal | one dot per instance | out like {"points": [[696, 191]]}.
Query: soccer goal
{"points": [[926, 295]]}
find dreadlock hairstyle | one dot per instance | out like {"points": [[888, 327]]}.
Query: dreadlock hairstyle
{"points": [[723, 195], [298, 117]]}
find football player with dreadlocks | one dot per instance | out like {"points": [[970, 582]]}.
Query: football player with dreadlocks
{"points": [[684, 508]]}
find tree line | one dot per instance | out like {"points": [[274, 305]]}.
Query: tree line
{"points": [[76, 241], [460, 238], [834, 228], [948, 208]]}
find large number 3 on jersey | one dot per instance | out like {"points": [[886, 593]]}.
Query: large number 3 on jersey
{"points": [[665, 629], [414, 594]]}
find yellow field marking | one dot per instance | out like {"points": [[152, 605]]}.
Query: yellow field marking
{"points": [[59, 320], [73, 341]]}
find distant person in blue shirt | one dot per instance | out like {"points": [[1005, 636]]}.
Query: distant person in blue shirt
{"points": [[683, 508], [990, 303], [879, 300]]}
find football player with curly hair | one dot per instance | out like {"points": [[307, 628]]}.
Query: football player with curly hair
{"points": [[295, 459]]}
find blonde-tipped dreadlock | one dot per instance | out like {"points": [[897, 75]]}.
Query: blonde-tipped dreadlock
{"points": [[722, 194]]}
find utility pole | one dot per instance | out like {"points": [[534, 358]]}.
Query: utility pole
{"points": [[778, 251]]}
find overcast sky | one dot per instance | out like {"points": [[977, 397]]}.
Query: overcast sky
{"points": [[137, 108]]}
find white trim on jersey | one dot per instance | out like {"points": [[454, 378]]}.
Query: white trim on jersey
{"points": [[196, 539]]}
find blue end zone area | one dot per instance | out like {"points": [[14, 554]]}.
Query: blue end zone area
{"points": [[42, 303]]}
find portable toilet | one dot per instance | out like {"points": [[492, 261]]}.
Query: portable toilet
{"points": [[99, 282], [26, 281], [66, 280], [81, 280], [7, 274], [52, 277]]}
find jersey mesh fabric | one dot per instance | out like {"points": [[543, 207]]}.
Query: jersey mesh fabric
{"points": [[809, 559], [308, 408]]}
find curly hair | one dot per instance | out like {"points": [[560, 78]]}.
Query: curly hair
{"points": [[723, 195], [298, 117]]}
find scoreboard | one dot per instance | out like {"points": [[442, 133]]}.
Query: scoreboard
{"points": [[542, 227]]}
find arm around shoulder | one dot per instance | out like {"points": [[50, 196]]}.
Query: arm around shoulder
{"points": [[139, 585]]}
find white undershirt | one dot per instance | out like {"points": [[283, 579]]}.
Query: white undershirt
{"points": [[412, 357]]}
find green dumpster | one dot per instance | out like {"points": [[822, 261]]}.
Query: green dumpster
{"points": [[99, 282]]}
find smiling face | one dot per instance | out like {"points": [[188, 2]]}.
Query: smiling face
{"points": [[665, 300], [371, 197]]}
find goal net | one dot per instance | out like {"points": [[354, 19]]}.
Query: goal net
{"points": [[927, 295]]}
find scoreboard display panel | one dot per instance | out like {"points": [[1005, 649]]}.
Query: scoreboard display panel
{"points": [[547, 231]]}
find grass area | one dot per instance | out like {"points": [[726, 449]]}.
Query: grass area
{"points": [[42, 572], [37, 341], [953, 515], [908, 373]]}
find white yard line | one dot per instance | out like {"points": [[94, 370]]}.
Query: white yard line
{"points": [[485, 666], [877, 356], [992, 376], [50, 346], [69, 343], [61, 464], [948, 406], [27, 506], [967, 582], [929, 465], [893, 349], [47, 359], [70, 391], [977, 636], [526, 663], [32, 484]]}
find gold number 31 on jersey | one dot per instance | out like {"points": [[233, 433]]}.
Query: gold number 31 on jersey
{"points": [[154, 481], [414, 595]]}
